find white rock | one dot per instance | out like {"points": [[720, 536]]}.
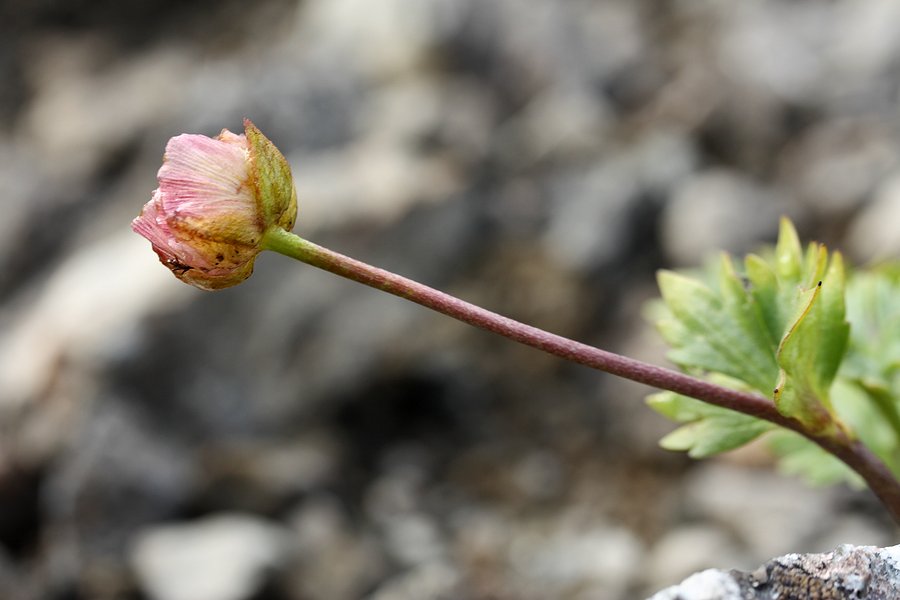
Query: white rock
{"points": [[707, 585], [569, 558], [892, 555], [224, 557], [86, 310]]}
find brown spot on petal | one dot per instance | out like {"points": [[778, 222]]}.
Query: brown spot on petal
{"points": [[177, 267]]}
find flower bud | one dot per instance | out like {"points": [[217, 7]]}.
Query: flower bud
{"points": [[216, 199]]}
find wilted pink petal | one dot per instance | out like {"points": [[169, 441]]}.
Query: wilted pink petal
{"points": [[205, 221], [204, 178]]}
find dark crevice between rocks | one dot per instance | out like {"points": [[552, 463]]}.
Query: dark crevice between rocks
{"points": [[21, 517]]}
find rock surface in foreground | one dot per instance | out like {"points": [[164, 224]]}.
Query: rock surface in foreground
{"points": [[857, 572]]}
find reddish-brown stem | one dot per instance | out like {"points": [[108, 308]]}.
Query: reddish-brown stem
{"points": [[853, 453]]}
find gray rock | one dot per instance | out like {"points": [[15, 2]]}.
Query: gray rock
{"points": [[872, 235], [68, 120], [88, 324], [430, 580], [559, 560], [589, 226], [388, 40], [836, 165], [718, 210], [556, 124], [263, 476], [770, 514], [331, 559], [849, 572], [112, 477], [775, 47], [856, 530], [594, 208], [689, 549]]}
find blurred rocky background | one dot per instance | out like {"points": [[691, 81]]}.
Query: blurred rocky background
{"points": [[302, 437]]}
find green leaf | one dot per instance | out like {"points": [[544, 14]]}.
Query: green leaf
{"points": [[788, 253], [799, 456], [777, 328], [863, 410], [709, 430], [814, 345], [717, 330], [764, 291], [867, 391], [873, 306]]}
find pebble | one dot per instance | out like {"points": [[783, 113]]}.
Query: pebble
{"points": [[562, 559], [706, 585], [771, 514], [717, 210], [220, 557], [332, 559]]}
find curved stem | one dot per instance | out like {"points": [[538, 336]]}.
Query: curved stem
{"points": [[851, 452]]}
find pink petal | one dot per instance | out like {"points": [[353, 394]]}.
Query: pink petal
{"points": [[204, 221], [151, 224], [207, 179]]}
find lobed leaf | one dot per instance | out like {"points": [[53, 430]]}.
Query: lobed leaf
{"points": [[814, 345], [717, 330], [710, 430], [777, 328], [867, 389]]}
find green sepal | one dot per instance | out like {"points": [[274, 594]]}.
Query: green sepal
{"points": [[271, 176]]}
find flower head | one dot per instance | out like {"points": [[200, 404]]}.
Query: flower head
{"points": [[216, 199]]}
